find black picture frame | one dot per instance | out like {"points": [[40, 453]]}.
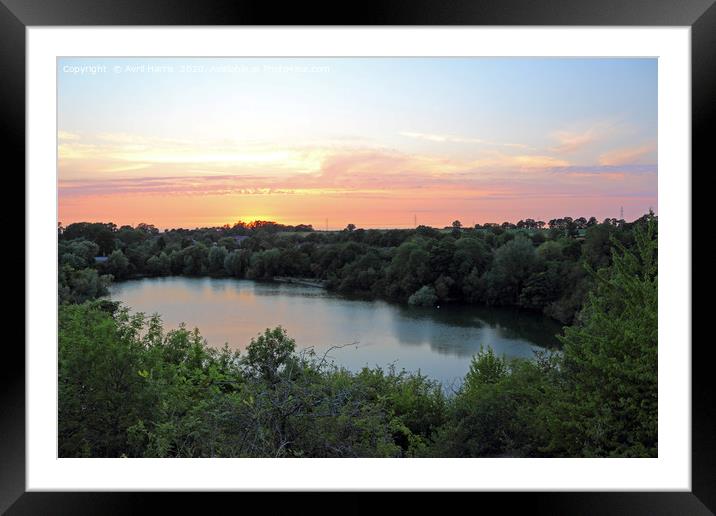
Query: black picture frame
{"points": [[700, 15]]}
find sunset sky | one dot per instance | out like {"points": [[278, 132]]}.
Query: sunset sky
{"points": [[377, 142]]}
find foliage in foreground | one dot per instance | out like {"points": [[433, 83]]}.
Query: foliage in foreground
{"points": [[128, 388]]}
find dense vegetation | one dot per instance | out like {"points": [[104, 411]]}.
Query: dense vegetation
{"points": [[532, 265], [128, 388]]}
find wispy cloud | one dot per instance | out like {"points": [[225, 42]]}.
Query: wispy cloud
{"points": [[67, 136], [124, 168], [109, 156], [360, 184], [570, 141], [361, 172], [449, 138], [627, 155], [133, 178], [112, 154], [632, 170]]}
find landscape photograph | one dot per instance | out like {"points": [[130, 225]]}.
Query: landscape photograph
{"points": [[389, 257]]}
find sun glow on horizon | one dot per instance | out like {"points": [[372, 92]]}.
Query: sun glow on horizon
{"points": [[373, 142], [250, 219]]}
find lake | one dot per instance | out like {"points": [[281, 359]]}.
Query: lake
{"points": [[437, 341]]}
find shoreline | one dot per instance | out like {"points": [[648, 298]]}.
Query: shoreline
{"points": [[301, 281]]}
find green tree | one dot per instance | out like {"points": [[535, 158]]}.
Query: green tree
{"points": [[194, 259], [78, 286], [409, 269], [474, 286], [541, 289], [236, 263], [265, 264], [485, 368], [117, 264], [100, 391], [610, 360], [77, 253], [269, 353], [217, 255], [159, 265], [513, 264], [471, 253], [442, 255], [597, 247], [425, 296], [444, 287]]}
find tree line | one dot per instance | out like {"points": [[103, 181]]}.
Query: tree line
{"points": [[129, 388], [525, 265]]}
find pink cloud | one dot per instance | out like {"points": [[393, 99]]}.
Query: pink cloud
{"points": [[573, 141], [271, 178], [626, 156], [451, 138]]}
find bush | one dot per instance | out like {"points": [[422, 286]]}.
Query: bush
{"points": [[127, 388], [425, 296]]}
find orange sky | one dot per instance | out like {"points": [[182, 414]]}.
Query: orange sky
{"points": [[376, 143], [371, 187], [339, 210]]}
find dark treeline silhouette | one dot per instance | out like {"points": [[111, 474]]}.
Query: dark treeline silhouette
{"points": [[531, 264]]}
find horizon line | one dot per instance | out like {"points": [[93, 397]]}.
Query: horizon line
{"points": [[396, 226]]}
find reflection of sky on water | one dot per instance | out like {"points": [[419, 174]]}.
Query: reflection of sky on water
{"points": [[438, 342]]}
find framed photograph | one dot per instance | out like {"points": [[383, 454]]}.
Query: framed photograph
{"points": [[265, 247]]}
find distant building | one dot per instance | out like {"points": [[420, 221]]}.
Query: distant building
{"points": [[100, 259]]}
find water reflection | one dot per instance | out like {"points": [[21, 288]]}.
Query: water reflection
{"points": [[439, 342]]}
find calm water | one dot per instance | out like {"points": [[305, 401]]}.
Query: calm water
{"points": [[438, 341]]}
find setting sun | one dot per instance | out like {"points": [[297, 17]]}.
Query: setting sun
{"points": [[429, 140]]}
